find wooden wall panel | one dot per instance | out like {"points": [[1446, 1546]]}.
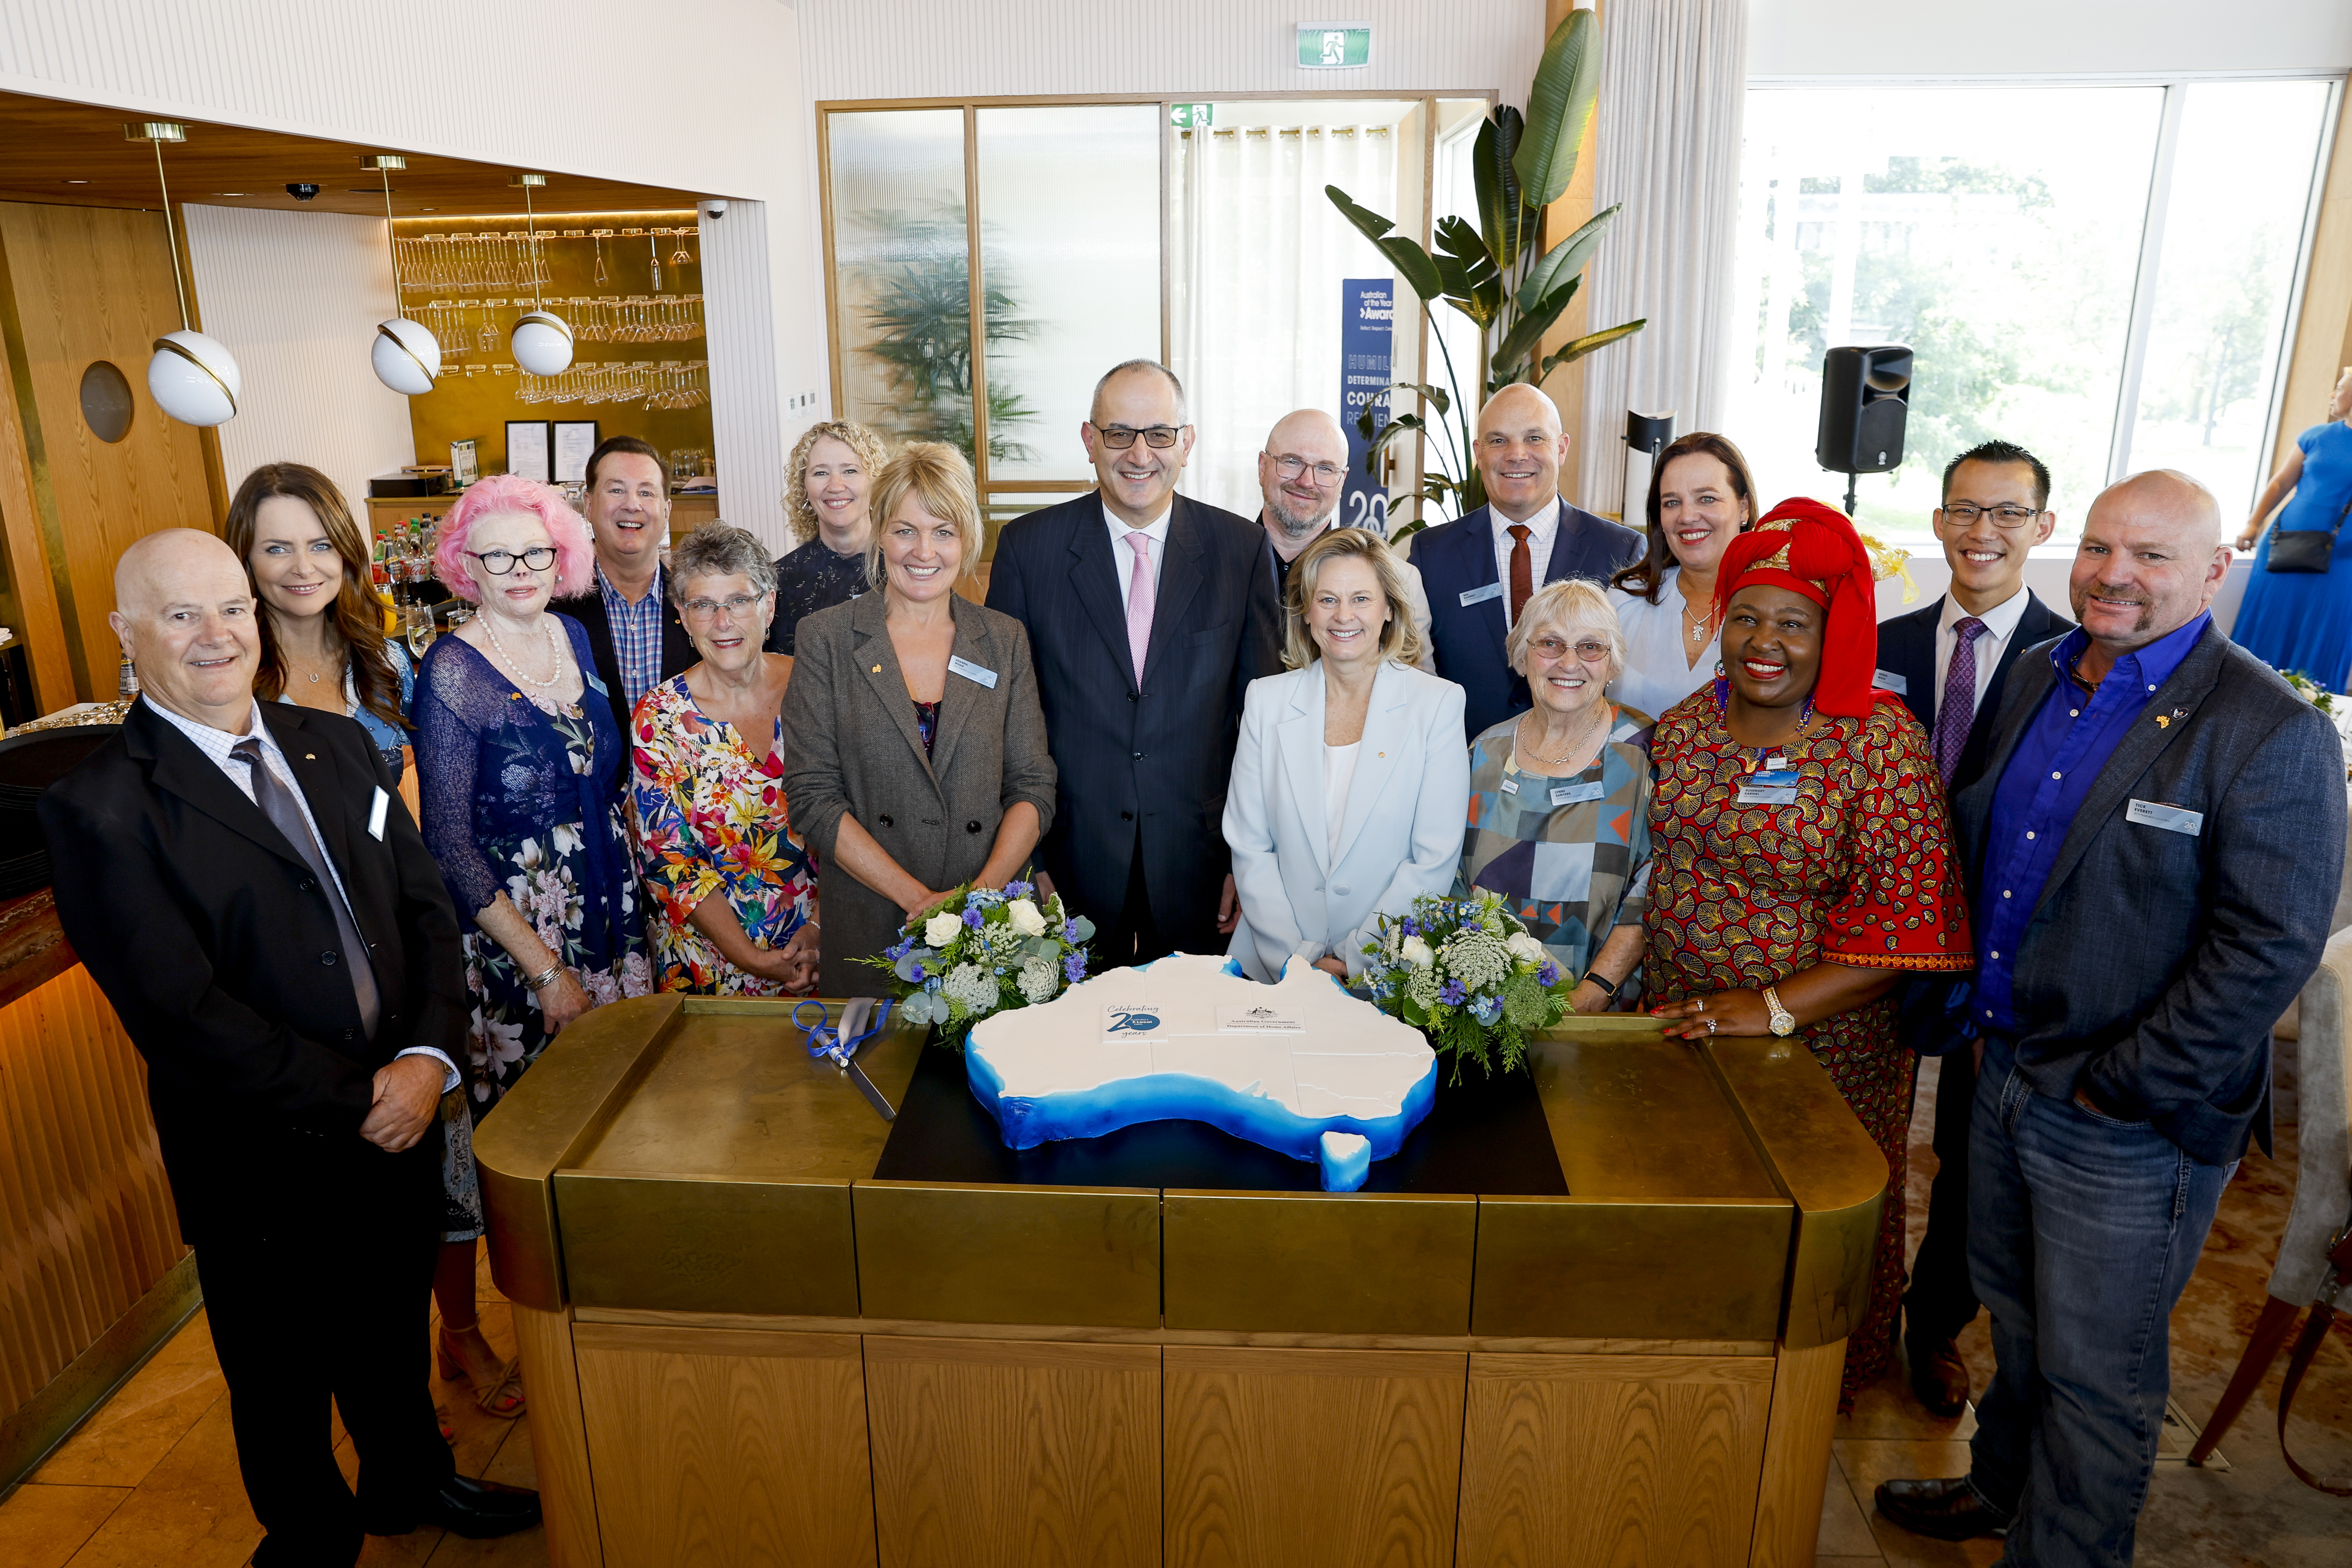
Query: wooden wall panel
{"points": [[1611, 1461], [87, 1223], [1302, 1456], [91, 283], [1797, 1456], [2322, 333], [1003, 1454], [559, 1436], [718, 1448]]}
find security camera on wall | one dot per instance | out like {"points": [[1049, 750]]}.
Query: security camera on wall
{"points": [[302, 191], [714, 209]]}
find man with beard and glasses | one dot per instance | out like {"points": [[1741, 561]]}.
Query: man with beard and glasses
{"points": [[2155, 846], [1149, 614], [1302, 472]]}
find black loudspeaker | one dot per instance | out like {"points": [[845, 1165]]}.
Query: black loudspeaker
{"points": [[1866, 396]]}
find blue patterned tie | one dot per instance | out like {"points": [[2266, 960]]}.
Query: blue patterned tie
{"points": [[1958, 710]]}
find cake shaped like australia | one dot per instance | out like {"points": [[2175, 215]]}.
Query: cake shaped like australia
{"points": [[1299, 1066]]}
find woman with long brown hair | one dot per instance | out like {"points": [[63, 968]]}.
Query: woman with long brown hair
{"points": [[322, 639], [1701, 498]]}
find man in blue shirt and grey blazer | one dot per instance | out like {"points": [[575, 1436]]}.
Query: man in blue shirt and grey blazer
{"points": [[1479, 569], [2156, 843]]}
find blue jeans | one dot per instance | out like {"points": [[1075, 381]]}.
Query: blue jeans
{"points": [[2083, 1232]]}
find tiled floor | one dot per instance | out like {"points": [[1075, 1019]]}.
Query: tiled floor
{"points": [[151, 1481]]}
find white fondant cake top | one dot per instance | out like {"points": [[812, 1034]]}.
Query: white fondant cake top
{"points": [[1345, 1058]]}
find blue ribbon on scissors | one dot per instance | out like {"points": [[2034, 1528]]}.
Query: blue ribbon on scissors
{"points": [[824, 1040]]}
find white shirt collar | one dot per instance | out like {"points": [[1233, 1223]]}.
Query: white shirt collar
{"points": [[215, 744], [1541, 524], [1157, 528], [2001, 620]]}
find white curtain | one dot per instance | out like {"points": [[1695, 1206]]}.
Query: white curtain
{"points": [[1258, 253], [1672, 83]]}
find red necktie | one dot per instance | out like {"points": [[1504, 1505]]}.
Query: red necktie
{"points": [[1523, 575]]}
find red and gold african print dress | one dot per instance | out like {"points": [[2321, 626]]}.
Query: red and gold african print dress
{"points": [[1858, 870]]}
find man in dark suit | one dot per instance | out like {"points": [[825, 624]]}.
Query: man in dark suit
{"points": [[2157, 839], [1149, 616], [1949, 663], [633, 629], [246, 889], [1479, 569]]}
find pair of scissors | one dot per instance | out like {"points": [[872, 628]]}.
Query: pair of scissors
{"points": [[862, 1018]]}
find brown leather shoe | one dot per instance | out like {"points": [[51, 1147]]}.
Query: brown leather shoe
{"points": [[1939, 1376], [1948, 1508]]}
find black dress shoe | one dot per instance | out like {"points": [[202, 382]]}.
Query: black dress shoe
{"points": [[1947, 1509], [1939, 1376], [474, 1510]]}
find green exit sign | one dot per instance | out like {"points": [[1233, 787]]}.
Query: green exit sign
{"points": [[1191, 116], [1334, 46]]}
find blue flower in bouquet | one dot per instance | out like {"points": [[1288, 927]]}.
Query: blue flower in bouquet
{"points": [[982, 898], [900, 950], [1017, 889], [974, 917], [1073, 967], [1451, 993], [1547, 977], [910, 968], [1486, 1010]]}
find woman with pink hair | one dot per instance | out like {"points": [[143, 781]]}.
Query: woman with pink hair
{"points": [[522, 766]]}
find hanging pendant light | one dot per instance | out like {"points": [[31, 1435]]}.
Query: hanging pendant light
{"points": [[542, 340], [406, 354], [192, 378]]}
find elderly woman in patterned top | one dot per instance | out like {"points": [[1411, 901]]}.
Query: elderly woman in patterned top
{"points": [[1801, 849], [1560, 796], [734, 896]]}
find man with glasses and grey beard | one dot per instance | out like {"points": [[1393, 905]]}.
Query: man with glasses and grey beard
{"points": [[1149, 614], [1302, 472]]}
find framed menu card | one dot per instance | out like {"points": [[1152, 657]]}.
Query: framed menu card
{"points": [[575, 439], [527, 451]]}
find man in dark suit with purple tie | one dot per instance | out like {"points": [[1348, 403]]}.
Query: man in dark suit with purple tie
{"points": [[1480, 568]]}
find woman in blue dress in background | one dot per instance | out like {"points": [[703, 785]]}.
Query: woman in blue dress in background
{"points": [[2302, 620]]}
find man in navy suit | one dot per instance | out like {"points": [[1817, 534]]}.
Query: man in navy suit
{"points": [[1479, 569], [1949, 663], [1149, 614]]}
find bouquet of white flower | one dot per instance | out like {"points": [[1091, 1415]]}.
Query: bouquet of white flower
{"points": [[1466, 973], [980, 952]]}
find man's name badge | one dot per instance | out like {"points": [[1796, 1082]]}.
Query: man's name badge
{"points": [[973, 672], [1887, 680], [1260, 1019], [1480, 596], [376, 808], [1576, 793], [2171, 819], [1772, 787]]}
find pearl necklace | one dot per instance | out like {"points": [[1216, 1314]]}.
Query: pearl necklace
{"points": [[554, 650], [1520, 738]]}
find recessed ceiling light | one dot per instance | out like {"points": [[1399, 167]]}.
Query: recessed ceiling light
{"points": [[228, 193], [77, 182]]}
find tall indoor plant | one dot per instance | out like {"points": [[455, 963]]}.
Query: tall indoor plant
{"points": [[1492, 274]]}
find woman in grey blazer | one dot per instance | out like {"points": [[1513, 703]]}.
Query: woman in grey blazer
{"points": [[917, 749]]}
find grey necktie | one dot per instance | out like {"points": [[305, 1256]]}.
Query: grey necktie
{"points": [[277, 804]]}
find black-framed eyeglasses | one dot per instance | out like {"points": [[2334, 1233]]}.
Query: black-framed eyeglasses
{"points": [[1120, 437], [1291, 467], [2008, 519], [499, 562]]}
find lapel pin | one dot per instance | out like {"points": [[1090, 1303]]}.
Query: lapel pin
{"points": [[878, 669], [310, 756], [2163, 721]]}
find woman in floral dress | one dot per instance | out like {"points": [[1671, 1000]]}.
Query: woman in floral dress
{"points": [[734, 896], [519, 760], [1801, 854]]}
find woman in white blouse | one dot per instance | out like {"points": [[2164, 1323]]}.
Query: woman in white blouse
{"points": [[1700, 496], [1349, 780]]}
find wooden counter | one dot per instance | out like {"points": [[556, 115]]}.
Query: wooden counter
{"points": [[743, 1348]]}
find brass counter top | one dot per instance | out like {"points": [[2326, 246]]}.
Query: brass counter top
{"points": [[684, 1154]]}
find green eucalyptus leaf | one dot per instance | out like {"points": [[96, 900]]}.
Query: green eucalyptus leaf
{"points": [[1559, 109]]}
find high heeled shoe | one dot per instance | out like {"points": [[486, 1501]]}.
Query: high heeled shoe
{"points": [[501, 1397]]}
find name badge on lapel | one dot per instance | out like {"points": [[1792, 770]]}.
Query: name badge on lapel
{"points": [[1480, 596], [1510, 786], [1577, 794], [2171, 819], [1776, 786], [973, 672], [1887, 680], [376, 808]]}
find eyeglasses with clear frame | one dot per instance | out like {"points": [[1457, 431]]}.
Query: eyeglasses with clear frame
{"points": [[734, 605], [499, 562], [1160, 437], [1963, 514], [1290, 468], [1591, 650]]}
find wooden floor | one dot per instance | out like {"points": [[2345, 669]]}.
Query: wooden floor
{"points": [[151, 1481]]}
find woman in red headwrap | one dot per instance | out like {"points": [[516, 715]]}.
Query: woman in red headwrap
{"points": [[1801, 855]]}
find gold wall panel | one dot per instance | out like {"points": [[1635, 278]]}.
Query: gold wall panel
{"points": [[716, 1449], [1329, 1263], [1003, 1453], [1008, 1255], [696, 1245], [1661, 1268], [1308, 1455], [1611, 1461]]}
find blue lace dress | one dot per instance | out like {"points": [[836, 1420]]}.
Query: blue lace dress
{"points": [[527, 802]]}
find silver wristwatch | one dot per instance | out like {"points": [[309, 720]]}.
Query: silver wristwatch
{"points": [[1783, 1021]]}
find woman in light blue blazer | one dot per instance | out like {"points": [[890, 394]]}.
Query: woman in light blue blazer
{"points": [[1350, 780]]}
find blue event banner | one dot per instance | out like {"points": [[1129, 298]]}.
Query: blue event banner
{"points": [[1366, 309]]}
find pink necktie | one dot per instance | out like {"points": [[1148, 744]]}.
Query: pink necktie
{"points": [[1138, 602]]}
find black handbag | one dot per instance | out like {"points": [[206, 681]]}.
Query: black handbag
{"points": [[2306, 549]]}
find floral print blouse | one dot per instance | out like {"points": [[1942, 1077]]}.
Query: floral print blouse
{"points": [[710, 818]]}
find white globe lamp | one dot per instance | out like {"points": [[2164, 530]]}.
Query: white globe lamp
{"points": [[543, 343], [406, 356], [193, 379]]}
